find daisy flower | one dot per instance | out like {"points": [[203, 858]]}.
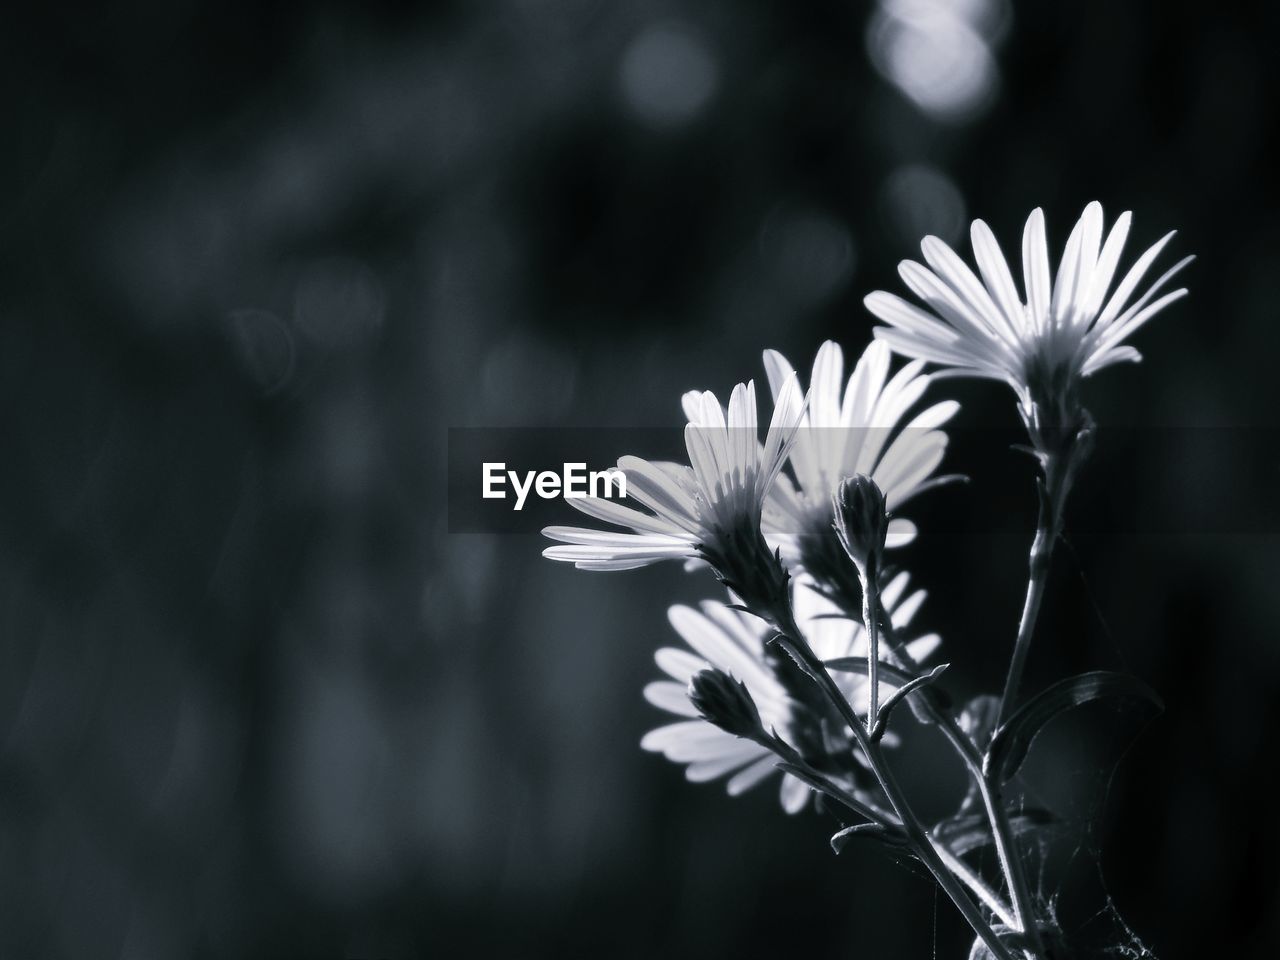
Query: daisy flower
{"points": [[1042, 341], [703, 511], [726, 639], [853, 427]]}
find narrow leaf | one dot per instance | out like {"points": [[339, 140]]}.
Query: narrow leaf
{"points": [[1010, 744], [888, 672], [868, 831], [964, 834], [893, 675], [911, 686], [800, 659]]}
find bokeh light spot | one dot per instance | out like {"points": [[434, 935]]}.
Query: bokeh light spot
{"points": [[920, 200], [667, 75]]}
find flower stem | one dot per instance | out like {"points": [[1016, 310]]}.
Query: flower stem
{"points": [[1061, 451], [837, 792], [1059, 471], [929, 854], [975, 883], [921, 843], [1041, 556], [870, 620], [1011, 865], [1023, 917]]}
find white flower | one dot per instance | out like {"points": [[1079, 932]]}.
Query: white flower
{"points": [[692, 510], [734, 642], [1061, 331], [846, 430]]}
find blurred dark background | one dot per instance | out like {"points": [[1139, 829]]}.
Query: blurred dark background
{"points": [[255, 259]]}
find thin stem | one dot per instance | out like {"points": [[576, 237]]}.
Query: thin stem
{"points": [[1041, 556], [869, 620], [823, 783], [1023, 918], [928, 852], [1001, 832], [975, 883], [921, 843], [1061, 459]]}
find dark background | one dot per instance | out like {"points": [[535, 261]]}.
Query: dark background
{"points": [[255, 259]]}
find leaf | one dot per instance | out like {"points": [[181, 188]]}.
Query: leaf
{"points": [[888, 671], [868, 831], [963, 834], [797, 656], [1010, 744], [908, 688], [894, 675]]}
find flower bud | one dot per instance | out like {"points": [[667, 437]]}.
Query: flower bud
{"points": [[861, 521], [726, 703]]}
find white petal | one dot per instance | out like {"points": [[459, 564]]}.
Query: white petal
{"points": [[658, 491], [794, 794], [1108, 260], [679, 665], [778, 369], [1124, 291], [731, 758], [709, 640], [615, 538], [920, 648], [697, 732], [995, 272], [608, 552], [611, 511], [909, 318], [905, 611], [1139, 313], [1102, 359], [908, 462], [670, 696], [744, 780], [948, 304], [1077, 263], [615, 563], [1035, 267], [691, 403], [892, 593], [901, 533], [948, 265]]}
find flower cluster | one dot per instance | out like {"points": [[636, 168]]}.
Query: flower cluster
{"points": [[801, 668], [851, 427], [723, 638]]}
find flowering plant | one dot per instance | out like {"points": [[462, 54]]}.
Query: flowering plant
{"points": [[804, 665]]}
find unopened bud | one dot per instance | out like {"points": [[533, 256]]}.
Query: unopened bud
{"points": [[861, 521], [726, 703]]}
